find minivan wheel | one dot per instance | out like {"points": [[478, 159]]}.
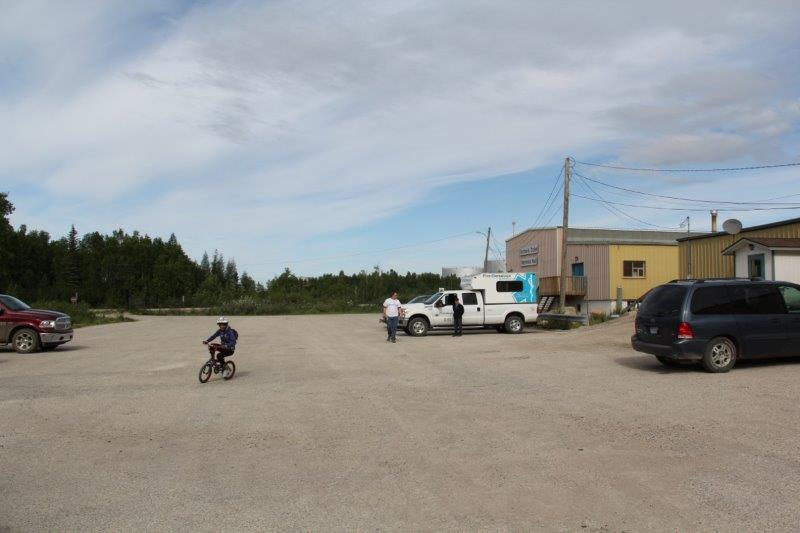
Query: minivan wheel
{"points": [[720, 355]]}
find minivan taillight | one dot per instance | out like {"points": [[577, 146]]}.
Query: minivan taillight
{"points": [[685, 331]]}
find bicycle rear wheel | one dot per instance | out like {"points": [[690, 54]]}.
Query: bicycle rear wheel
{"points": [[229, 370], [205, 371]]}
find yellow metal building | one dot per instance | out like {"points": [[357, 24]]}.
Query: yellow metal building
{"points": [[600, 261], [701, 256], [661, 266]]}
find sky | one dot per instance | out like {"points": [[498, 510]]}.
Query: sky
{"points": [[326, 136]]}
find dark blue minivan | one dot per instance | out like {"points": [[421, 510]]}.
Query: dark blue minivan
{"points": [[718, 321]]}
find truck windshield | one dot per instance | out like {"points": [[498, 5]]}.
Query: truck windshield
{"points": [[13, 304], [432, 299]]}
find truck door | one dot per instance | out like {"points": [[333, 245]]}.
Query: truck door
{"points": [[473, 309], [443, 311], [5, 326]]}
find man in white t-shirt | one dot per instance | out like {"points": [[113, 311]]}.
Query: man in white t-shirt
{"points": [[392, 309]]}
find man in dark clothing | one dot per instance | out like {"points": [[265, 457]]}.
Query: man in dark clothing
{"points": [[458, 315]]}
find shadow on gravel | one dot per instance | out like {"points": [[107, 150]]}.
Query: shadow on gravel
{"points": [[10, 351], [755, 363], [650, 364], [470, 332]]}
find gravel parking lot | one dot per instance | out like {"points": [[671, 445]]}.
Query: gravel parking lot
{"points": [[327, 427]]}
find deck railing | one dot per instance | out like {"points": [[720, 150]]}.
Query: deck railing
{"points": [[551, 286]]}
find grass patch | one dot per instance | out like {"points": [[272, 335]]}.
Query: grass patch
{"points": [[598, 318], [557, 323]]}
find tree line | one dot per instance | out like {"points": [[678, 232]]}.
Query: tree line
{"points": [[135, 271]]}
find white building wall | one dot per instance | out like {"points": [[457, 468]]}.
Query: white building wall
{"points": [[787, 266], [742, 261]]}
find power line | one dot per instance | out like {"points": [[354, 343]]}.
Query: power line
{"points": [[688, 208], [551, 210], [550, 196], [344, 256], [615, 210], [688, 169], [714, 202], [497, 248], [555, 212]]}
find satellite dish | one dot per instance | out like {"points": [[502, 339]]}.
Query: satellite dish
{"points": [[732, 226]]}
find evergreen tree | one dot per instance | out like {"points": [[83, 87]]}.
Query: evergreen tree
{"points": [[248, 284], [205, 265], [135, 270], [231, 274], [72, 262]]}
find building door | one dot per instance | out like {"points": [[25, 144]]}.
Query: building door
{"points": [[577, 269], [755, 265]]}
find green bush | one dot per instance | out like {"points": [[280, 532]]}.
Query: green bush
{"points": [[80, 313], [257, 306], [598, 318]]}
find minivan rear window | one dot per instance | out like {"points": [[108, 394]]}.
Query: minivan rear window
{"points": [[663, 300]]}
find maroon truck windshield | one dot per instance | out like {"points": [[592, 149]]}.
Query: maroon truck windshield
{"points": [[13, 304]]}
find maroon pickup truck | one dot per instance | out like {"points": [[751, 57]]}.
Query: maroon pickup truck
{"points": [[29, 330]]}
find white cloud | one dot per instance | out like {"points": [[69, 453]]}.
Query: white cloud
{"points": [[306, 113]]}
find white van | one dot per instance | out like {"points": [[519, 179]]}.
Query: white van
{"points": [[506, 301]]}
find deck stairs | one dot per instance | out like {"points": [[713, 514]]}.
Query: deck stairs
{"points": [[545, 303]]}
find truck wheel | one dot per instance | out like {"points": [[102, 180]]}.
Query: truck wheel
{"points": [[514, 324], [720, 355], [25, 341], [418, 327]]}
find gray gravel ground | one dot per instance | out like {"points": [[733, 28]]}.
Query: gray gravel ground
{"points": [[328, 427]]}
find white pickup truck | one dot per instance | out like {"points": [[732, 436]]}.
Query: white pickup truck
{"points": [[506, 301]]}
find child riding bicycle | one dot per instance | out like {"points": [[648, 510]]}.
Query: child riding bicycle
{"points": [[227, 337]]}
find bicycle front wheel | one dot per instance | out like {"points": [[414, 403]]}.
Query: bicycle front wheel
{"points": [[205, 371], [229, 370]]}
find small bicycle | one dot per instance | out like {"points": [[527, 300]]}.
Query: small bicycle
{"points": [[212, 366]]}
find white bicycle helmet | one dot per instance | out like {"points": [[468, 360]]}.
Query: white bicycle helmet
{"points": [[222, 320]]}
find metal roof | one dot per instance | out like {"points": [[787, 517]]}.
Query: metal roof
{"points": [[751, 228], [614, 236], [768, 242]]}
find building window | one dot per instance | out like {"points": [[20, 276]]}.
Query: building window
{"points": [[509, 286], [633, 269]]}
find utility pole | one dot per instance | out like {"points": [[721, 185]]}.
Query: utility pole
{"points": [[689, 242], [562, 286], [486, 255], [688, 223]]}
